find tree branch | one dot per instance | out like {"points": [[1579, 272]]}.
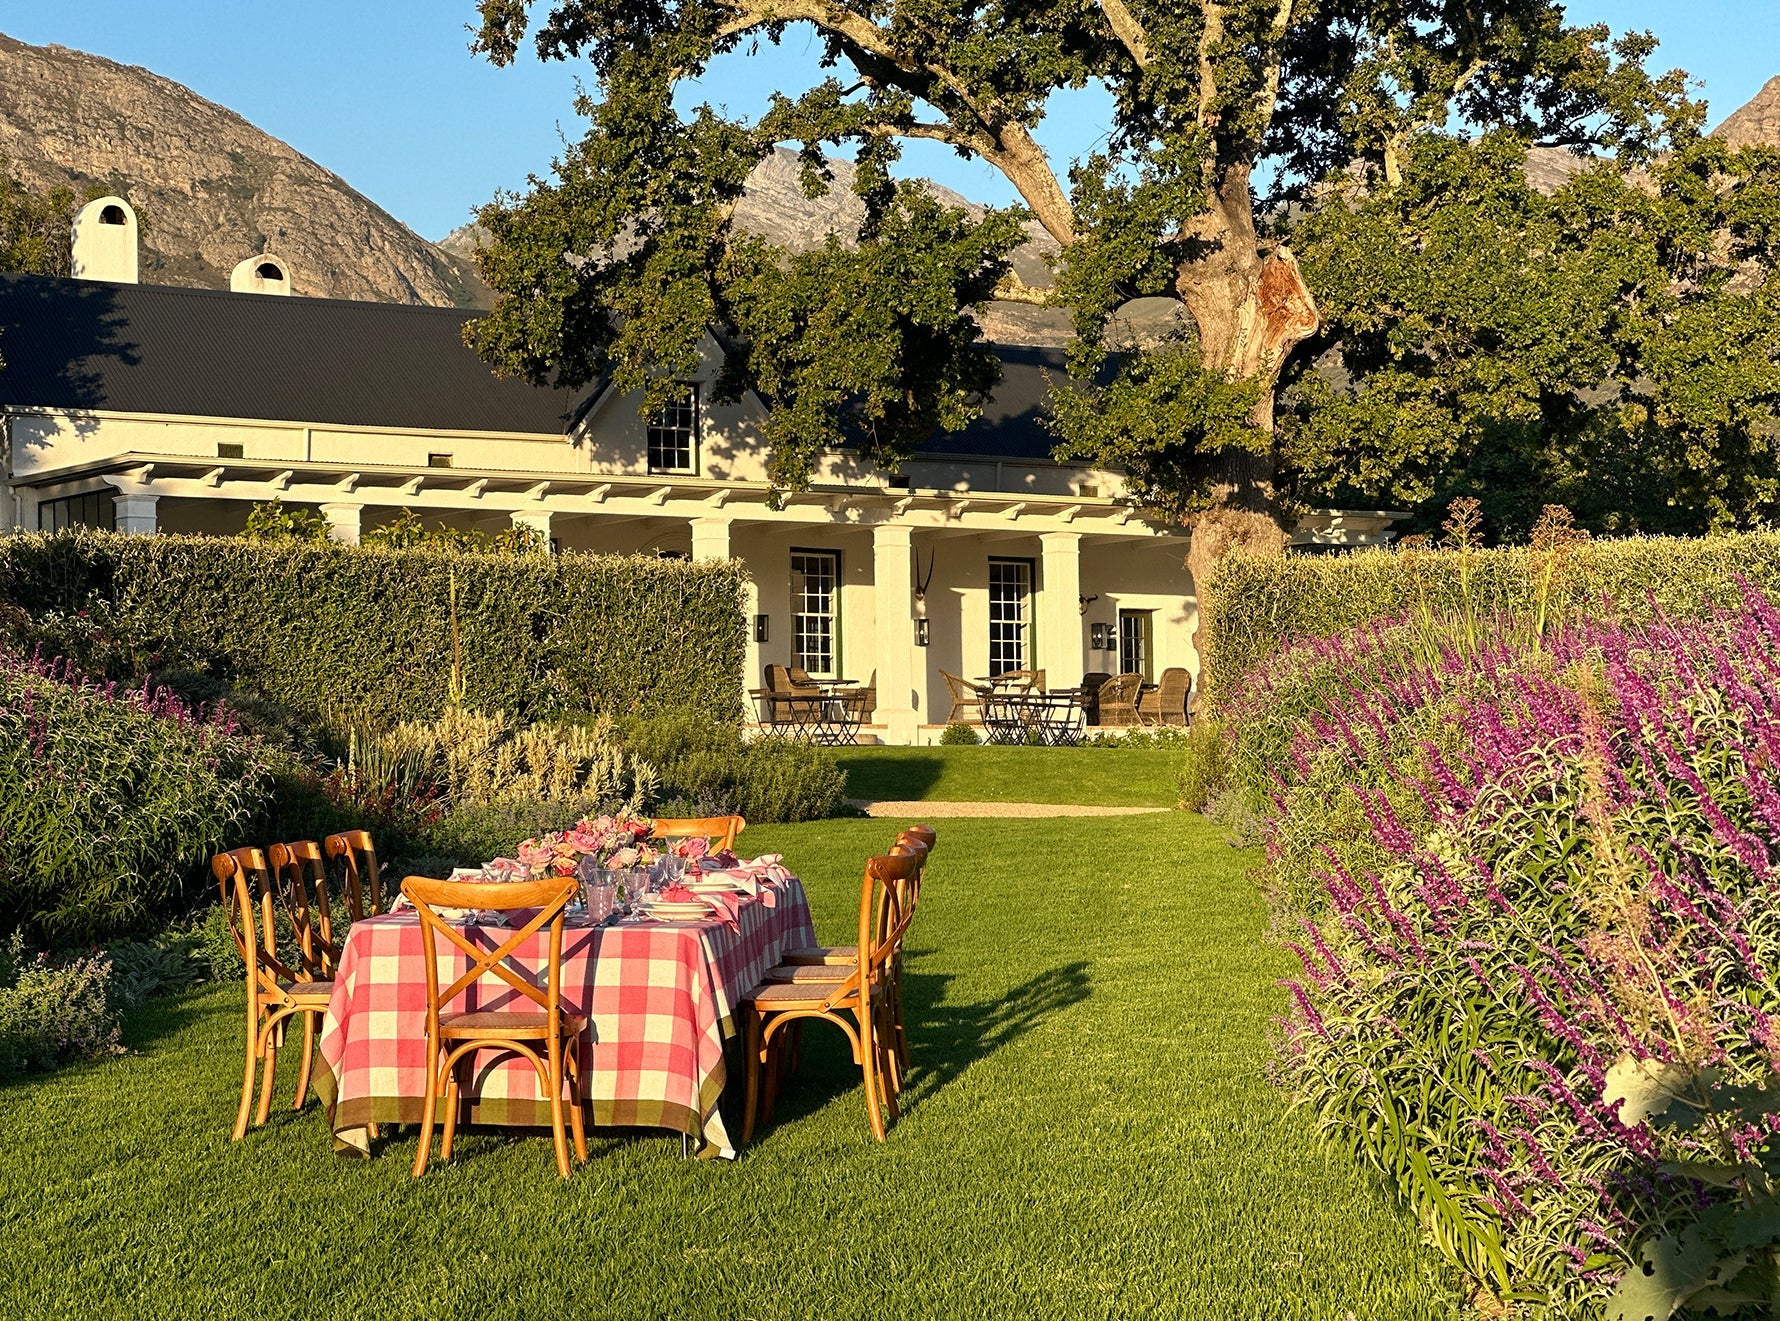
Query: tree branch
{"points": [[1013, 289], [1128, 30]]}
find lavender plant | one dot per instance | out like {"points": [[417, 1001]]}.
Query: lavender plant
{"points": [[1529, 877], [109, 797]]}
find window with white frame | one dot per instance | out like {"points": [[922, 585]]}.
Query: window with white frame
{"points": [[1010, 614], [673, 432], [815, 601]]}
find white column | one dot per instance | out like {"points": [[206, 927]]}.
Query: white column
{"points": [[1060, 627], [344, 522], [893, 581], [136, 514], [710, 540], [539, 523]]}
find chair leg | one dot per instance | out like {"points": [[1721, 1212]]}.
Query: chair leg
{"points": [[453, 1090], [577, 1119], [251, 1049], [308, 1060], [769, 1075], [558, 1120], [868, 1049], [756, 1049], [427, 1108], [265, 1107]]}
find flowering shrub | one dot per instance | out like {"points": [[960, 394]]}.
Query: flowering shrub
{"points": [[1529, 880], [52, 1012], [109, 798]]}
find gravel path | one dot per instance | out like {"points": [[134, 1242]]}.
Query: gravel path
{"points": [[892, 807]]}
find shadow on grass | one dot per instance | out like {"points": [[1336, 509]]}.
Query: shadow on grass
{"points": [[898, 778], [944, 1039]]}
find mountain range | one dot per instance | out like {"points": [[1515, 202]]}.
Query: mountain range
{"points": [[212, 189]]}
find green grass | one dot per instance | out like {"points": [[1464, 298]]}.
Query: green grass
{"points": [[1089, 1134], [1093, 777]]}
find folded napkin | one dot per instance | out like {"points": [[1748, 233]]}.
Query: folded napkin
{"points": [[727, 907], [755, 876]]}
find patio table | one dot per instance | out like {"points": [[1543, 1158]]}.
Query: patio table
{"points": [[660, 999], [1053, 719]]}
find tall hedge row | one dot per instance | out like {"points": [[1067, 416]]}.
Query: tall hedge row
{"points": [[365, 631], [1254, 604]]}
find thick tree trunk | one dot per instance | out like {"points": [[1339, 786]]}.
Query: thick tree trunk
{"points": [[1252, 308]]}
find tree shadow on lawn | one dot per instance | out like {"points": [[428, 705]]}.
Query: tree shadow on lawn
{"points": [[944, 1039], [893, 778]]}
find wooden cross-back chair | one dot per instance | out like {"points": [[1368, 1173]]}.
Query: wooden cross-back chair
{"points": [[823, 963], [720, 830], [452, 1036], [275, 993], [302, 880], [357, 857], [858, 1004]]}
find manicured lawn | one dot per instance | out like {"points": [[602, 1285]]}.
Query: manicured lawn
{"points": [[1089, 1134], [1095, 777]]}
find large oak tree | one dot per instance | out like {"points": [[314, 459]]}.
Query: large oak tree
{"points": [[1224, 112]]}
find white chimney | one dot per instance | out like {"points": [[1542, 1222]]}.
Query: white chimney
{"points": [[105, 235], [264, 274]]}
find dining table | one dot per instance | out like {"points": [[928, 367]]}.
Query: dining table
{"points": [[660, 997]]}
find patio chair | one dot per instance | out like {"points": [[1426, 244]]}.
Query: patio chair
{"points": [[357, 857], [720, 830], [858, 1004], [302, 880], [785, 702], [967, 699], [1092, 682], [800, 677], [1021, 681], [821, 963], [275, 993], [450, 1038], [1166, 704], [1118, 700]]}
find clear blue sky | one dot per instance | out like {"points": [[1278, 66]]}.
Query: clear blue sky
{"points": [[386, 94]]}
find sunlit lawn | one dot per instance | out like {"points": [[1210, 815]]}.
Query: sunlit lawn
{"points": [[1089, 1134], [1095, 777]]}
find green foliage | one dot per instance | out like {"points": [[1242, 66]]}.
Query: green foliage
{"points": [[1203, 769], [408, 531], [326, 632], [1255, 604], [471, 836], [109, 800], [870, 344], [1613, 346], [959, 735], [53, 1012], [708, 769], [271, 521], [35, 227]]}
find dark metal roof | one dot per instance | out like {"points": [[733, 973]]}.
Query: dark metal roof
{"points": [[143, 348]]}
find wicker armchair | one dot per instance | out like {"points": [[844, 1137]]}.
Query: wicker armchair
{"points": [[1166, 704], [1092, 682], [1118, 699], [967, 699]]}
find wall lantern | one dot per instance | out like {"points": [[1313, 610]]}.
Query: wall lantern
{"points": [[920, 632], [760, 628], [1100, 637]]}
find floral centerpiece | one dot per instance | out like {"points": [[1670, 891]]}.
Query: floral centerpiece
{"points": [[619, 843]]}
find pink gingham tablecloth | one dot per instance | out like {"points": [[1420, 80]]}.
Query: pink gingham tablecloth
{"points": [[660, 999]]}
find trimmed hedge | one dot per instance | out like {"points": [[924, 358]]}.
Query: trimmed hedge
{"points": [[1253, 605], [327, 630]]}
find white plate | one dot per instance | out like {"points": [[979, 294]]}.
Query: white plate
{"points": [[670, 912]]}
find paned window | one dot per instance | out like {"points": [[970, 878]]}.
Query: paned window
{"points": [[1010, 614], [815, 603], [95, 509], [1134, 642], [673, 433]]}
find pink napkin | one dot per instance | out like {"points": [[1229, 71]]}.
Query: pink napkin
{"points": [[755, 877], [728, 907]]}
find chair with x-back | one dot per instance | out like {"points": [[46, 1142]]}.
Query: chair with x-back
{"points": [[276, 992], [357, 857], [720, 830], [451, 1037], [858, 1004], [302, 880]]}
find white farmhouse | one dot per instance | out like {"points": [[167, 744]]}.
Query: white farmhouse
{"points": [[147, 408]]}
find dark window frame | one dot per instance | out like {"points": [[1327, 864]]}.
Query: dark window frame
{"points": [[673, 433], [95, 509]]}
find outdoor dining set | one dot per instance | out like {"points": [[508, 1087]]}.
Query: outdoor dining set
{"points": [[1012, 707], [606, 976], [1016, 707]]}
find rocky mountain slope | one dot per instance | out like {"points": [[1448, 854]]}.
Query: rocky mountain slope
{"points": [[1756, 123], [210, 188]]}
